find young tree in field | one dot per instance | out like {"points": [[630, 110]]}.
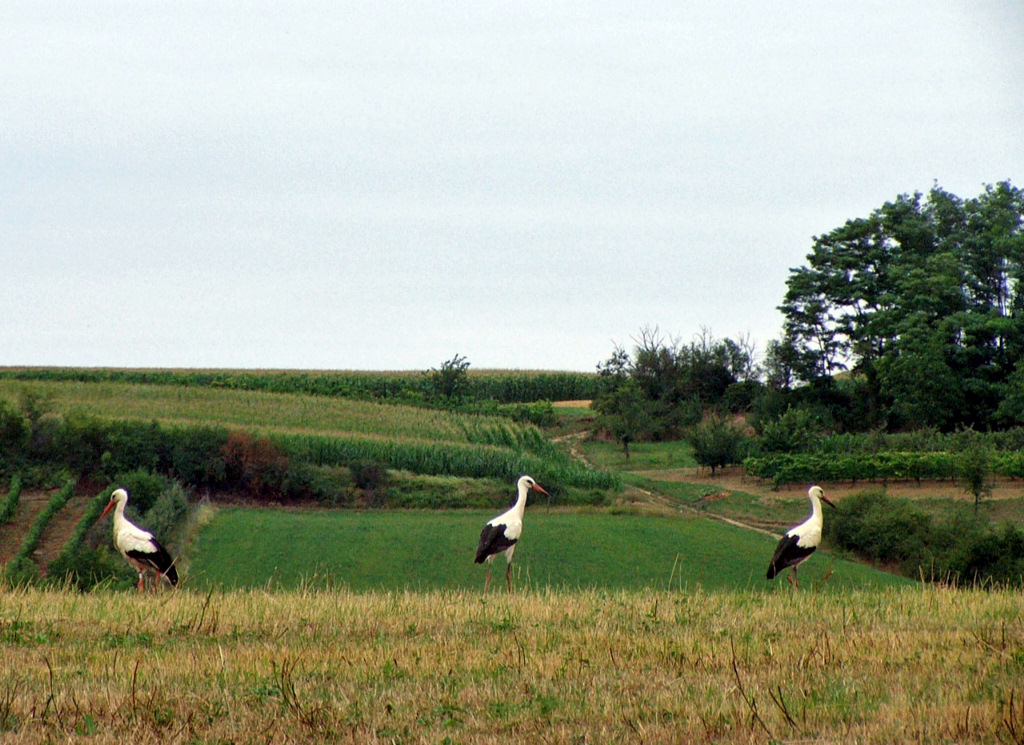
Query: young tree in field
{"points": [[716, 443], [624, 414], [975, 469], [452, 380]]}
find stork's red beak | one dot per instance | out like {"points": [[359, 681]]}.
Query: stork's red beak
{"points": [[538, 487], [827, 501], [106, 509]]}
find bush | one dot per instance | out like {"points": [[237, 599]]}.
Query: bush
{"points": [[256, 465], [965, 549], [167, 513], [883, 530], [717, 443], [143, 487]]}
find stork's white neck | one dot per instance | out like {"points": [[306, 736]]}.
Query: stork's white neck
{"points": [[119, 510], [519, 508]]}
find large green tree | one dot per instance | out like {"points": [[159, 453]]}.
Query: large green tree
{"points": [[922, 301]]}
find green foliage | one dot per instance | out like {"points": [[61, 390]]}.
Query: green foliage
{"points": [[883, 530], [168, 513], [974, 469], [144, 488], [31, 540], [10, 504], [717, 443], [368, 475], [451, 381], [501, 386], [921, 301], [795, 431], [963, 550], [665, 386]]}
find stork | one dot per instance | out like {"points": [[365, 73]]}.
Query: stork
{"points": [[139, 547], [501, 534], [800, 542]]}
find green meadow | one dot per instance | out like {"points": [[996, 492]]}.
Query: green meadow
{"points": [[433, 550]]}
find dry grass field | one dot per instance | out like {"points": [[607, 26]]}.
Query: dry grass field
{"points": [[923, 664]]}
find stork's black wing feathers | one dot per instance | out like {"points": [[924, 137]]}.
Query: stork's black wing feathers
{"points": [[159, 559], [788, 553], [492, 541]]}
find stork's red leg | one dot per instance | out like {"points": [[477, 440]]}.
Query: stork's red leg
{"points": [[508, 577]]}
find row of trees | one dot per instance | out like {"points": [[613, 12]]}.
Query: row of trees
{"points": [[910, 318], [922, 303]]}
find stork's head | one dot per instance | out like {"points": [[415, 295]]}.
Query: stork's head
{"points": [[527, 483], [817, 491], [119, 495]]}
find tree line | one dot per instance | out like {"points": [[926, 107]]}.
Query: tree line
{"points": [[910, 318]]}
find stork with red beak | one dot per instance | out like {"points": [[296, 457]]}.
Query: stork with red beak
{"points": [[800, 542], [139, 547], [501, 534]]}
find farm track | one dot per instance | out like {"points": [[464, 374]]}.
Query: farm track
{"points": [[13, 533], [59, 531]]}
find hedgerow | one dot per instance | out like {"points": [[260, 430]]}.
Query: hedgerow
{"points": [[787, 468], [500, 386], [964, 549], [10, 505]]}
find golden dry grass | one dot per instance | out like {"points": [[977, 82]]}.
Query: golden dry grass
{"points": [[924, 664]]}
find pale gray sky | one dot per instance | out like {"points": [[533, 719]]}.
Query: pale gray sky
{"points": [[383, 185]]}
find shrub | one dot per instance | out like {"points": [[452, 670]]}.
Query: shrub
{"points": [[257, 465], [882, 529], [10, 504], [962, 550], [143, 487], [717, 443]]}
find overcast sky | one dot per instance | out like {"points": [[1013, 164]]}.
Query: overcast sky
{"points": [[366, 185]]}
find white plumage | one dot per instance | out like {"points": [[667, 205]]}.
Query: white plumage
{"points": [[501, 534], [800, 541], [139, 547]]}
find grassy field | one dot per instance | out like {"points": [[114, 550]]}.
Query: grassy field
{"points": [[639, 623], [918, 664], [255, 410], [433, 550]]}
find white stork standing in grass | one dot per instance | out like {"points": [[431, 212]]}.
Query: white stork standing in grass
{"points": [[140, 548], [800, 542], [501, 533]]}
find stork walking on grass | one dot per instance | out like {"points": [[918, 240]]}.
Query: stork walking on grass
{"points": [[800, 542], [139, 547], [501, 534]]}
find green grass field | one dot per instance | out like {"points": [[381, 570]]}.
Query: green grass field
{"points": [[433, 550], [643, 456]]}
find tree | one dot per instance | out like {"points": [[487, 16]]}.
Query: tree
{"points": [[675, 383], [716, 443], [624, 414], [975, 469], [452, 380], [922, 301]]}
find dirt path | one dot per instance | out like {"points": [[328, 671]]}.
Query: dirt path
{"points": [[56, 534], [13, 533], [736, 479], [59, 530]]}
